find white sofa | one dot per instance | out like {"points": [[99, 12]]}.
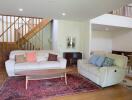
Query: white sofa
{"points": [[42, 63], [104, 76]]}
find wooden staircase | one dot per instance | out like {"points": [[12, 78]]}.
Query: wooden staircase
{"points": [[17, 32], [33, 31], [5, 48]]}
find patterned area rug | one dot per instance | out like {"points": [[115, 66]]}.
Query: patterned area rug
{"points": [[14, 88]]}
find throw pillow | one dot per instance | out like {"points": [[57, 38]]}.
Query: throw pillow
{"points": [[99, 62], [31, 57], [93, 59], [20, 59], [108, 62], [52, 57]]}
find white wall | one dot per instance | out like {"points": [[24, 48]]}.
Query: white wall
{"points": [[62, 29], [119, 40], [101, 41], [122, 40], [113, 20], [85, 38]]}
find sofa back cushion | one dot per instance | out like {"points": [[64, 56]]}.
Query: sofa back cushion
{"points": [[41, 55], [16, 52], [119, 60]]}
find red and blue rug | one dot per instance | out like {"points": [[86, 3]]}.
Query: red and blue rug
{"points": [[14, 88]]}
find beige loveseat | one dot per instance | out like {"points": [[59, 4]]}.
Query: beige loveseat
{"points": [[104, 76]]}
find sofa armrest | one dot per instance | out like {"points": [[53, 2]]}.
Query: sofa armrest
{"points": [[111, 75], [84, 61], [62, 62], [81, 62], [10, 64]]}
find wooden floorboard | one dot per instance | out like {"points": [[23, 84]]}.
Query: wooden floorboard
{"points": [[117, 92], [3, 75]]}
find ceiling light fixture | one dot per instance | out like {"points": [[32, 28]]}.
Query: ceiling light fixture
{"points": [[20, 9], [63, 14]]}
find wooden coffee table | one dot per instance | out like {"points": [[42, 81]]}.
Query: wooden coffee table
{"points": [[43, 74]]}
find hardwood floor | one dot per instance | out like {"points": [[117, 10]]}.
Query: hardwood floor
{"points": [[117, 92], [110, 93], [3, 75]]}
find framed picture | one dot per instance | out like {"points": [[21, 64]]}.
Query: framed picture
{"points": [[71, 42]]}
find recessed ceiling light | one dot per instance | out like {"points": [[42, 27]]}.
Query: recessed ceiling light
{"points": [[63, 14], [20, 9]]}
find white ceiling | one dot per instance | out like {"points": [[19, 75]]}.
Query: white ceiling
{"points": [[75, 9]]}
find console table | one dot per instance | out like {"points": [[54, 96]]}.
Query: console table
{"points": [[72, 57]]}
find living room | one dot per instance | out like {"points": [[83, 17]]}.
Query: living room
{"points": [[50, 55]]}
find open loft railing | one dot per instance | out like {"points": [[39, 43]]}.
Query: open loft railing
{"points": [[123, 11]]}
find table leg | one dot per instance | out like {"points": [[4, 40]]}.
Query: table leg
{"points": [[26, 82], [65, 78], [62, 77]]}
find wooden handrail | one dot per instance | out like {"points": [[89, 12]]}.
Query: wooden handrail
{"points": [[29, 26], [33, 32], [27, 41], [26, 22], [9, 26]]}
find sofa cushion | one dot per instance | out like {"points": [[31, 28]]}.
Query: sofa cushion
{"points": [[26, 66], [99, 62], [90, 68], [108, 62], [49, 64], [93, 59], [37, 65], [41, 58]]}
